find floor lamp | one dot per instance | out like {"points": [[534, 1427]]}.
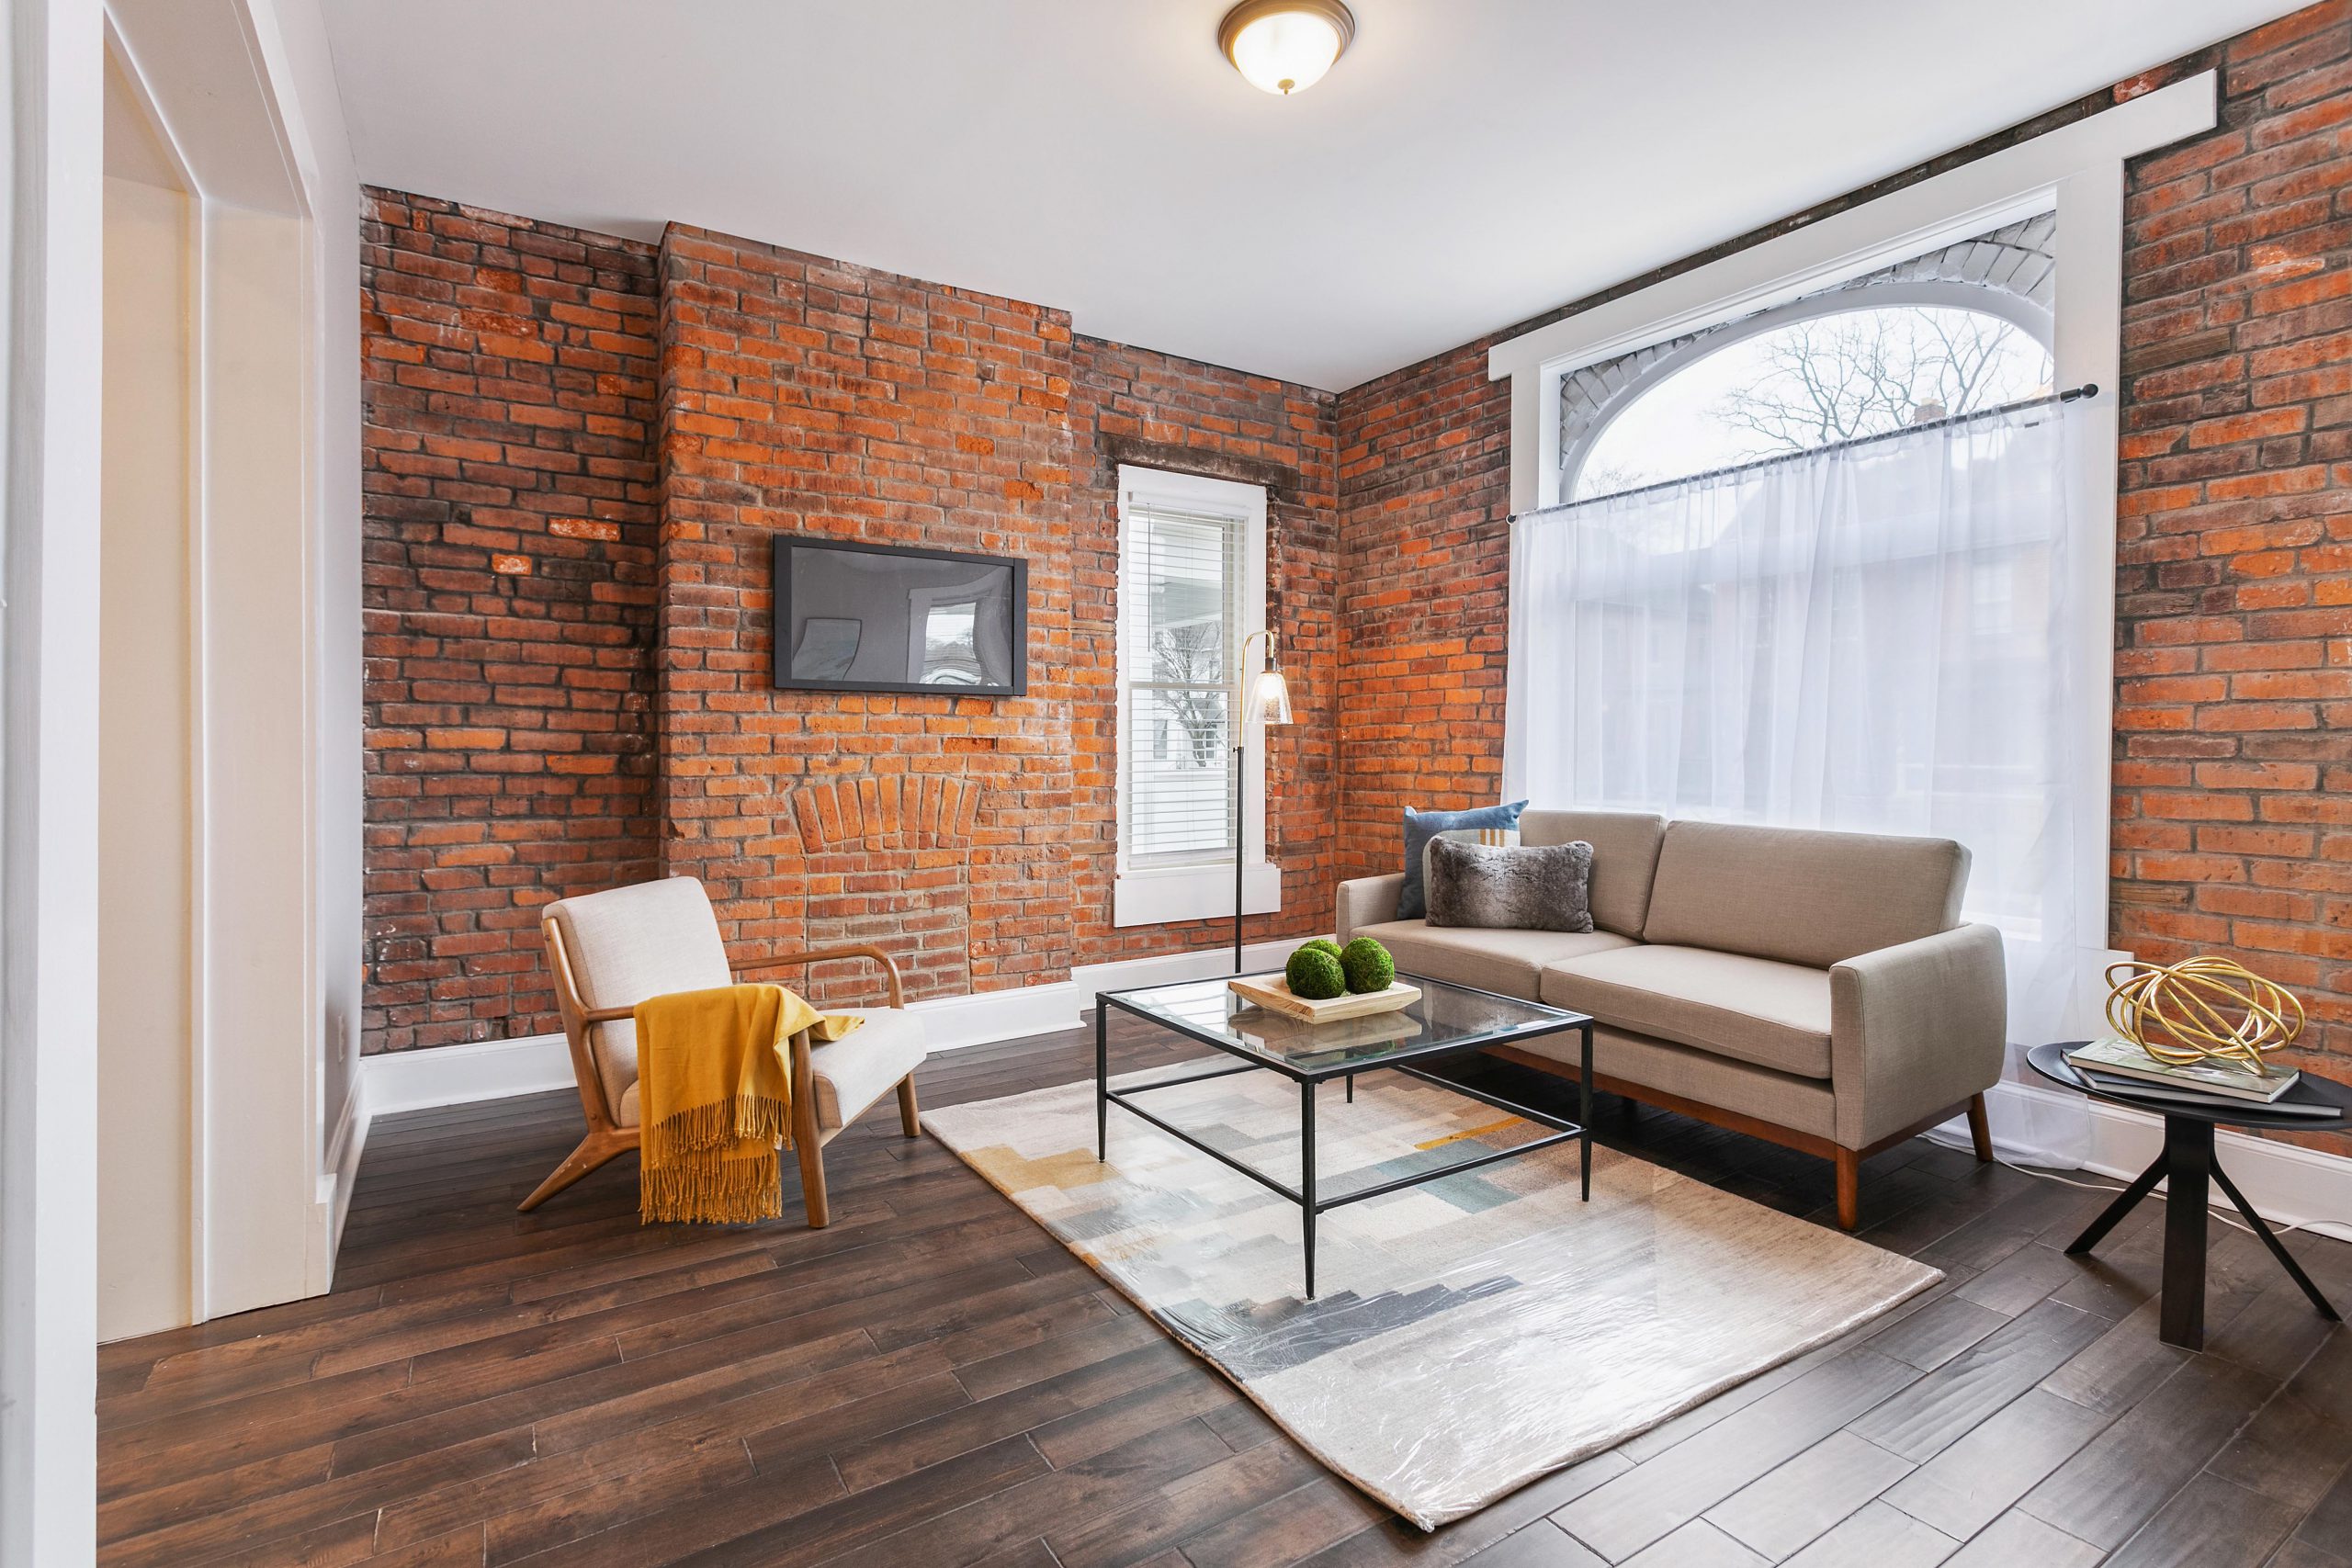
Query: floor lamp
{"points": [[1269, 704]]}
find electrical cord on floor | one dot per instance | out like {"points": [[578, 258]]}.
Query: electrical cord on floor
{"points": [[2218, 1211]]}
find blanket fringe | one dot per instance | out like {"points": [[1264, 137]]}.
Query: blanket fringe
{"points": [[724, 1192], [685, 1179], [711, 1126]]}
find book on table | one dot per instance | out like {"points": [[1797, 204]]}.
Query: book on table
{"points": [[2297, 1101], [2121, 1059]]}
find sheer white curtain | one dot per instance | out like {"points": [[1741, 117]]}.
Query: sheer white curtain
{"points": [[1875, 636]]}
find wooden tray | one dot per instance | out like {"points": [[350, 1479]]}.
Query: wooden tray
{"points": [[1272, 993]]}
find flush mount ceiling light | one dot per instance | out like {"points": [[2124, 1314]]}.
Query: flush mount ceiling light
{"points": [[1284, 46]]}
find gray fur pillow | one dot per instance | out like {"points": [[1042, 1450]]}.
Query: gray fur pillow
{"points": [[1542, 887]]}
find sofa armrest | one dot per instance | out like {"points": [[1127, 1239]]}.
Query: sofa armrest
{"points": [[1915, 1028], [1366, 901]]}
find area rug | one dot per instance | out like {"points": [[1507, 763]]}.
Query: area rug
{"points": [[1471, 1335]]}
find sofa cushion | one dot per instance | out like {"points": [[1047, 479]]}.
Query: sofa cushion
{"points": [[1532, 887], [1511, 961], [1677, 1072], [1624, 858], [1800, 895], [1420, 827], [1755, 1010]]}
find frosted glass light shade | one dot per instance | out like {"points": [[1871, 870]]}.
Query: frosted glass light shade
{"points": [[1285, 46], [1269, 699]]}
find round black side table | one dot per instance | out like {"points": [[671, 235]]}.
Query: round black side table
{"points": [[2185, 1165]]}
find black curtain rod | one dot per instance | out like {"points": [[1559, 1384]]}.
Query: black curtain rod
{"points": [[2087, 389]]}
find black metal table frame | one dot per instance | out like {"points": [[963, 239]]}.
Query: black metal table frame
{"points": [[2187, 1164], [1311, 1203], [2184, 1163]]}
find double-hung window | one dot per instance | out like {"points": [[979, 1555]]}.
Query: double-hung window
{"points": [[1190, 592]]}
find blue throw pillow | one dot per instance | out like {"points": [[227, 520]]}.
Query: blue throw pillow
{"points": [[1412, 903]]}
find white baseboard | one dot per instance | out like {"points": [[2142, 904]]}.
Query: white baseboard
{"points": [[457, 1075], [1167, 969], [497, 1069], [342, 1166], [2286, 1184]]}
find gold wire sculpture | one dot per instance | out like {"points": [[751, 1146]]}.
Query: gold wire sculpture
{"points": [[2200, 1007]]}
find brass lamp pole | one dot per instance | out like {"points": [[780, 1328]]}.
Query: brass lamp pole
{"points": [[1269, 704]]}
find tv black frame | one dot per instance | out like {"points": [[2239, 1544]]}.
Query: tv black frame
{"points": [[781, 549]]}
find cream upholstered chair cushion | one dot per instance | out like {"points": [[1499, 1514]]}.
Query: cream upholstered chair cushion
{"points": [[630, 944], [658, 937], [852, 1074]]}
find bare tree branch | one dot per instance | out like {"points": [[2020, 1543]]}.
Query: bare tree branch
{"points": [[1831, 379]]}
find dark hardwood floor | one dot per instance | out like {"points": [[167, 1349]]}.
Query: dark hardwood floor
{"points": [[933, 1382]]}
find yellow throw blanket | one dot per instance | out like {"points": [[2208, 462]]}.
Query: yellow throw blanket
{"points": [[714, 1100]]}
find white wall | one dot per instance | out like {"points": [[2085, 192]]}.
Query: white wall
{"points": [[260, 1075], [302, 68], [49, 206], [145, 676]]}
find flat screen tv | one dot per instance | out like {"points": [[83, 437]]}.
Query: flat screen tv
{"points": [[858, 617]]}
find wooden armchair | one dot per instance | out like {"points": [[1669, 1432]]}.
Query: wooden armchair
{"points": [[610, 951]]}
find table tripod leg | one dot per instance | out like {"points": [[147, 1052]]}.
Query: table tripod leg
{"points": [[2277, 1249], [2189, 1161], [2125, 1202]]}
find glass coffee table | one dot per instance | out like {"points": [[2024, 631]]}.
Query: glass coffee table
{"points": [[1445, 1021]]}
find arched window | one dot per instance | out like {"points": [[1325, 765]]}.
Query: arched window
{"points": [[1828, 369], [1816, 568]]}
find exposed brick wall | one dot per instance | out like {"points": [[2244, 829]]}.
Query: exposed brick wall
{"points": [[579, 449], [508, 482], [1424, 574], [2233, 701], [1135, 405], [809, 395]]}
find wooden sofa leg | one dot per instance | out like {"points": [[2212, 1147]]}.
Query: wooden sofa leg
{"points": [[1849, 1189], [595, 1150], [1979, 1130], [909, 1122]]}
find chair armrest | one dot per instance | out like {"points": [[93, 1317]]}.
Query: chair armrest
{"points": [[1366, 901], [608, 1015], [1915, 1028], [822, 954]]}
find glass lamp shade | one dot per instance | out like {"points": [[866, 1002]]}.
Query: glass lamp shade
{"points": [[1269, 699], [1284, 48]]}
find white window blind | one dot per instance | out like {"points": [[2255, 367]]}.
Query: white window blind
{"points": [[1180, 620]]}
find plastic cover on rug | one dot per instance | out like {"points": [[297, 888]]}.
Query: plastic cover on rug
{"points": [[1469, 1334]]}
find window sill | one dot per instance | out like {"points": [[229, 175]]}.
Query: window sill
{"points": [[1195, 893]]}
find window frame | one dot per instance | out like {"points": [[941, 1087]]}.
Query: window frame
{"points": [[1919, 293], [1203, 890]]}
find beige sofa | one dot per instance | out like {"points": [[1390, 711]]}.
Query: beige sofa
{"points": [[1814, 988]]}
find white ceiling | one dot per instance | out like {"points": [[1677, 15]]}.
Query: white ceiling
{"points": [[1468, 164]]}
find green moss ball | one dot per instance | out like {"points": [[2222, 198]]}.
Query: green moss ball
{"points": [[1314, 975], [1325, 945], [1367, 967]]}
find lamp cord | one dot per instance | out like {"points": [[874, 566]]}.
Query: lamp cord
{"points": [[2216, 1209]]}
